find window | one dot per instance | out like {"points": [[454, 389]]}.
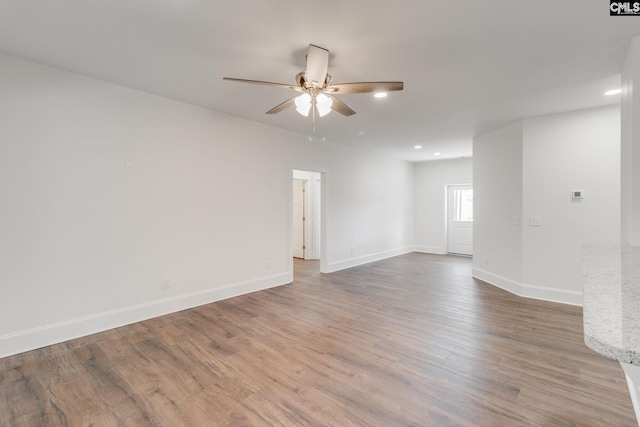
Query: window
{"points": [[463, 205]]}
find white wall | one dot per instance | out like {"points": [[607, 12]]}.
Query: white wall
{"points": [[86, 241], [528, 170], [429, 200], [630, 174], [497, 201], [579, 150]]}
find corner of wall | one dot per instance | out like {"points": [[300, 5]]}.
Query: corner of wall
{"points": [[430, 249]]}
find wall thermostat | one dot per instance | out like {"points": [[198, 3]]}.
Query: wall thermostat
{"points": [[577, 194]]}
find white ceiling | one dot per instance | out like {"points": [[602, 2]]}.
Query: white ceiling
{"points": [[468, 67]]}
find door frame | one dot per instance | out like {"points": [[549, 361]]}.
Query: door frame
{"points": [[324, 209], [305, 183], [446, 216]]}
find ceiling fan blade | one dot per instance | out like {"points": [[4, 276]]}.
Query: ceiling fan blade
{"points": [[364, 87], [340, 106], [258, 82], [317, 65], [283, 106]]}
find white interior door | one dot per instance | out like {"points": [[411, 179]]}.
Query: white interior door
{"points": [[298, 217], [460, 219]]}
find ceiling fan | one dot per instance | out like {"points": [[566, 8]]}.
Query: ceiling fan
{"points": [[317, 93]]}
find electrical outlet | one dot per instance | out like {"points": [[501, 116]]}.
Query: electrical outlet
{"points": [[353, 249], [486, 261], [165, 283], [267, 266]]}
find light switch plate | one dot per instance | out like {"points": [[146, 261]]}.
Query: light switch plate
{"points": [[535, 221]]}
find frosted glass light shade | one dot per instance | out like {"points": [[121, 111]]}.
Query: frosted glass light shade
{"points": [[303, 104], [323, 103]]}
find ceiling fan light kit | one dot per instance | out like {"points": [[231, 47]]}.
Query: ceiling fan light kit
{"points": [[318, 92], [303, 104], [323, 104]]}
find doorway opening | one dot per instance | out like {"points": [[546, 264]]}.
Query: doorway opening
{"points": [[459, 214], [307, 224]]}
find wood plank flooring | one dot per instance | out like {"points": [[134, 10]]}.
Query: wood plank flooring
{"points": [[408, 341]]}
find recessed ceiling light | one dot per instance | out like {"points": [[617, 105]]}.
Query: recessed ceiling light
{"points": [[417, 147], [380, 94], [613, 92], [436, 154]]}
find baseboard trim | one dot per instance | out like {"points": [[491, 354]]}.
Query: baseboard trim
{"points": [[365, 259], [430, 250], [498, 281], [529, 291], [31, 339], [552, 294]]}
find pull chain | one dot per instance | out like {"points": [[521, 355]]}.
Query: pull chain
{"points": [[313, 113]]}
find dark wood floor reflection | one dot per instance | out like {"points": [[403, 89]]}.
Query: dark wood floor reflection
{"points": [[408, 341]]}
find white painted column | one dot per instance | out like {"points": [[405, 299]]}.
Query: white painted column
{"points": [[630, 148], [630, 183]]}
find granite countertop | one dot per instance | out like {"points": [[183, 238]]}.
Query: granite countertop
{"points": [[611, 278]]}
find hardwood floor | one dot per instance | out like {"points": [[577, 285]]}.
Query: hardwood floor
{"points": [[408, 341]]}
